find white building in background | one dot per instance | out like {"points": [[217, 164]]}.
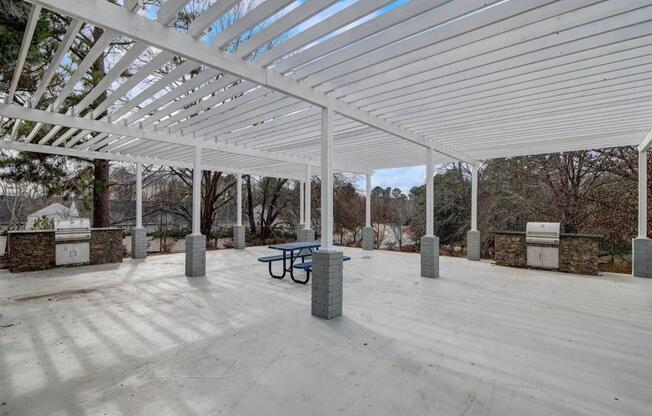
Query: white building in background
{"points": [[57, 213]]}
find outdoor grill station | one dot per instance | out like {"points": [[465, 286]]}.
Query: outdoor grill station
{"points": [[543, 246]]}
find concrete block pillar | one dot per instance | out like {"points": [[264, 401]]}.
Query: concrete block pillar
{"points": [[327, 284], [239, 237], [297, 232], [642, 257], [195, 255], [307, 235], [138, 243], [473, 245], [429, 256], [368, 238]]}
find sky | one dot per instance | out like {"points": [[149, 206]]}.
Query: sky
{"points": [[403, 178]]}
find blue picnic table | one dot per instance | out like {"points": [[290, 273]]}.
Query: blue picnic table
{"points": [[291, 253]]}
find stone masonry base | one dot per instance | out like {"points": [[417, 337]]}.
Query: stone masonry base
{"points": [[368, 238], [138, 243], [642, 257], [195, 255], [306, 235], [473, 245], [239, 237], [429, 256], [327, 284]]}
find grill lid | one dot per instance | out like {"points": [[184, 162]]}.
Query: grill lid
{"points": [[72, 229], [542, 232]]}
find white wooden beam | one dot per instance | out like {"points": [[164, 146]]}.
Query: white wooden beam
{"points": [[645, 144], [56, 119], [24, 48]]}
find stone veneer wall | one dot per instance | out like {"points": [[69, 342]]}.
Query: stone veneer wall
{"points": [[31, 250], [511, 250], [106, 245], [35, 250], [577, 253]]}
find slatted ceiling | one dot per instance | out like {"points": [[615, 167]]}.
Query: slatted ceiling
{"points": [[484, 78]]}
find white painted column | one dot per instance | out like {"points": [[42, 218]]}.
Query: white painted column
{"points": [[474, 197], [642, 194], [308, 202], [326, 179], [302, 203], [139, 195], [238, 184], [368, 201], [196, 193], [430, 194]]}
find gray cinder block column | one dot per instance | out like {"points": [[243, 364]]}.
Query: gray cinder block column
{"points": [[138, 243], [239, 237], [642, 257], [327, 284], [306, 235], [298, 231], [429, 256], [195, 255], [473, 245], [368, 238]]}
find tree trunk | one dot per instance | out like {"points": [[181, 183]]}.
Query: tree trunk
{"points": [[101, 194], [250, 206], [101, 191]]}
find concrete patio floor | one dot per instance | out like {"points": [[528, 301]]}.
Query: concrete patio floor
{"points": [[142, 339]]}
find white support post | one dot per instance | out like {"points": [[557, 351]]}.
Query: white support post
{"points": [[302, 203], [196, 242], [429, 242], [368, 201], [308, 220], [196, 193], [430, 194], [139, 195], [326, 179], [328, 276], [473, 235], [474, 197], [138, 233], [642, 245], [642, 193], [239, 199]]}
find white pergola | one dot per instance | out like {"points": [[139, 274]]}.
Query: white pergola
{"points": [[350, 87]]}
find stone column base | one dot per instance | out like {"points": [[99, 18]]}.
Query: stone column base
{"points": [[239, 237], [195, 255], [473, 245], [642, 257], [298, 231], [306, 235], [368, 238], [429, 256], [327, 284], [138, 243]]}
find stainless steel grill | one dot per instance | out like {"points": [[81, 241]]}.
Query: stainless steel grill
{"points": [[72, 237], [542, 239]]}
